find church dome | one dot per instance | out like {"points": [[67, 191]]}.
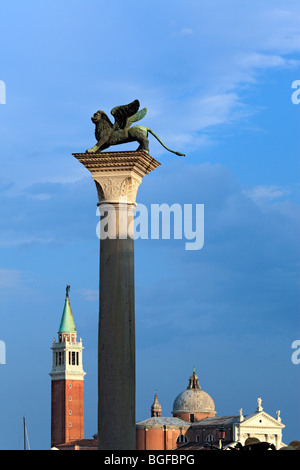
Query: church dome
{"points": [[194, 401]]}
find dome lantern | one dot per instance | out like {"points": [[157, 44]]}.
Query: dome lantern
{"points": [[155, 407], [193, 381]]}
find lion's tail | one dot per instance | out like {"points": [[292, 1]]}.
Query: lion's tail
{"points": [[159, 140]]}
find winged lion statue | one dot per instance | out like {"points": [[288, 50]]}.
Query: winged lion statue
{"points": [[121, 132]]}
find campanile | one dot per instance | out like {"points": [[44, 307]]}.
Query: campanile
{"points": [[67, 376]]}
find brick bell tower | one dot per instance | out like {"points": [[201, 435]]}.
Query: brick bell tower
{"points": [[67, 375]]}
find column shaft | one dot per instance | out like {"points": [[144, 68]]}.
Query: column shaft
{"points": [[116, 352]]}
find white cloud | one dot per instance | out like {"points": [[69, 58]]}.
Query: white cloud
{"points": [[14, 240], [184, 32], [216, 109], [256, 60], [193, 121], [266, 193], [282, 28], [40, 197], [10, 278], [91, 295]]}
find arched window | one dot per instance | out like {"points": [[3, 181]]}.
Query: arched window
{"points": [[181, 439]]}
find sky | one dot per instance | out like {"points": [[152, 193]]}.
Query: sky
{"points": [[217, 79]]}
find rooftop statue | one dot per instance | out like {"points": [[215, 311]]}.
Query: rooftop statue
{"points": [[121, 132]]}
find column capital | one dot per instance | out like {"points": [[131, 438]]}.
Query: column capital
{"points": [[118, 174]]}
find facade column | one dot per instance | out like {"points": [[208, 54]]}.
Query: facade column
{"points": [[117, 176]]}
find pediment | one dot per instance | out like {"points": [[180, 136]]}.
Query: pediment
{"points": [[261, 419]]}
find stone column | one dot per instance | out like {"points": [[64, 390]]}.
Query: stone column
{"points": [[117, 176]]}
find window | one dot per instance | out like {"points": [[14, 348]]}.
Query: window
{"points": [[181, 438], [192, 418], [74, 358], [210, 438], [197, 438], [60, 358]]}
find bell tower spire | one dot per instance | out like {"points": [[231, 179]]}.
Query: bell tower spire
{"points": [[156, 407], [67, 375], [67, 330]]}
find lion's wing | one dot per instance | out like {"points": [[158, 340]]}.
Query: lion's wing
{"points": [[123, 112], [136, 117]]}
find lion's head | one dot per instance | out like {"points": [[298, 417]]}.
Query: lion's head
{"points": [[97, 116], [101, 116], [102, 123]]}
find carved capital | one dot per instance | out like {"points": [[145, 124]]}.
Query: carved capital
{"points": [[115, 187], [118, 174]]}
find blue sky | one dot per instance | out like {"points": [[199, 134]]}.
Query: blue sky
{"points": [[216, 78]]}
